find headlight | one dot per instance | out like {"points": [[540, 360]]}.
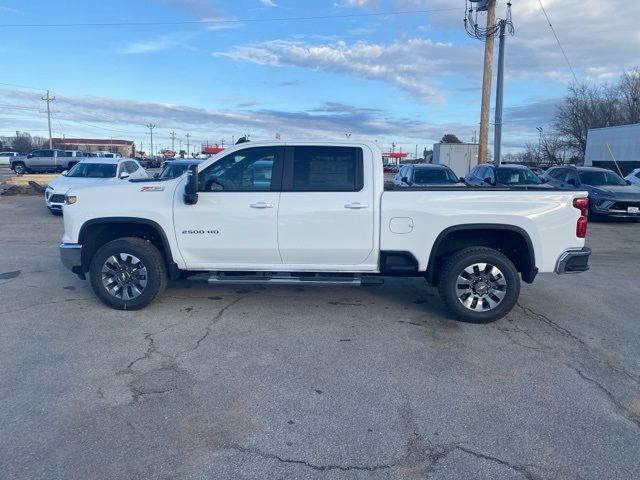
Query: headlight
{"points": [[70, 199]]}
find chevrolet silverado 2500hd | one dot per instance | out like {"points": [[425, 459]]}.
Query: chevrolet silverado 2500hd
{"points": [[319, 213]]}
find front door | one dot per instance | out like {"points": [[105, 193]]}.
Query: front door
{"points": [[327, 208], [234, 225]]}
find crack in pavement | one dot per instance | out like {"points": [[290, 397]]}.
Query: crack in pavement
{"points": [[216, 319], [623, 411], [151, 349], [521, 469], [39, 304], [321, 468], [529, 312], [434, 455]]}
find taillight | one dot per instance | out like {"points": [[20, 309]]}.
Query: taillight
{"points": [[582, 204]]}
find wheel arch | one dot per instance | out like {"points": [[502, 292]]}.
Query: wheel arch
{"points": [[512, 241], [98, 231]]}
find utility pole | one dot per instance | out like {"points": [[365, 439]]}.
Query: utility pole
{"points": [[49, 99], [483, 149], [500, 95], [151, 126], [188, 137], [173, 141], [222, 143]]}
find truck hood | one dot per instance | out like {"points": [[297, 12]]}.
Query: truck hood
{"points": [[619, 192], [63, 184]]}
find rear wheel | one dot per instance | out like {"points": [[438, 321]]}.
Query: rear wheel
{"points": [[128, 273], [479, 285]]}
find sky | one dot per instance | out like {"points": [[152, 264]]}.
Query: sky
{"points": [[321, 69]]}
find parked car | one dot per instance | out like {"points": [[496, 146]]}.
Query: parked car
{"points": [[106, 154], [6, 157], [390, 168], [420, 175], [89, 172], [46, 160], [610, 195], [634, 177], [175, 168], [310, 212], [490, 175]]}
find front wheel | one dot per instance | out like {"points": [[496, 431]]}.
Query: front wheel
{"points": [[479, 284], [19, 168], [128, 273]]}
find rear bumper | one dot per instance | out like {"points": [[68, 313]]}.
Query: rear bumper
{"points": [[71, 256], [573, 261]]}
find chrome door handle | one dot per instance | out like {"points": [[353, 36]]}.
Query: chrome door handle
{"points": [[261, 205], [356, 206]]}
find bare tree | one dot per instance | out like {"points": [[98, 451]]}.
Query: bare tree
{"points": [[450, 138], [583, 108], [22, 142], [629, 90]]}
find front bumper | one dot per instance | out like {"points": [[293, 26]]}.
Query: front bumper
{"points": [[71, 256], [54, 200], [573, 261], [610, 207]]}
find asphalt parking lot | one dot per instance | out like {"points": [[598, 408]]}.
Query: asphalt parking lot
{"points": [[315, 382]]}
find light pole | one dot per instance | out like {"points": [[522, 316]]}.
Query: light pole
{"points": [[151, 126], [541, 132], [188, 137]]}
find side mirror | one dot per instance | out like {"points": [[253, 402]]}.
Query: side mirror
{"points": [[572, 181], [628, 182], [488, 181], [404, 180], [156, 176], [30, 155], [462, 179], [191, 187], [64, 173], [124, 175]]}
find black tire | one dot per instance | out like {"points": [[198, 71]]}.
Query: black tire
{"points": [[150, 258], [56, 213], [490, 296], [19, 168]]}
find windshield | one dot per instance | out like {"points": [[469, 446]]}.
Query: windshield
{"points": [[516, 176], [430, 176], [601, 178], [92, 170], [173, 171]]}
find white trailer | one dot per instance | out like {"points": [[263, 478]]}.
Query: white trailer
{"points": [[620, 143], [460, 157]]}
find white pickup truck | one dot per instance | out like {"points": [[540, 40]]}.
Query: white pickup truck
{"points": [[319, 213]]}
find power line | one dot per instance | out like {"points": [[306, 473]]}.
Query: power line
{"points": [[225, 21], [22, 86], [559, 43]]}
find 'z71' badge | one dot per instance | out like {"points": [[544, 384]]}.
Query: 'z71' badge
{"points": [[152, 189]]}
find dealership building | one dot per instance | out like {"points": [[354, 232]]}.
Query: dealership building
{"points": [[126, 148]]}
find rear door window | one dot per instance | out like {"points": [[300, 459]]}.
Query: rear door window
{"points": [[325, 169]]}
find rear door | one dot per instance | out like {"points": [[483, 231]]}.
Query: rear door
{"points": [[326, 216]]}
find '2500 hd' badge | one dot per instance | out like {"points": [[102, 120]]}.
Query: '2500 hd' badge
{"points": [[152, 189], [200, 232]]}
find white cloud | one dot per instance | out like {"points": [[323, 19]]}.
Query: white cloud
{"points": [[157, 44], [357, 3], [600, 38], [411, 65], [268, 3]]}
